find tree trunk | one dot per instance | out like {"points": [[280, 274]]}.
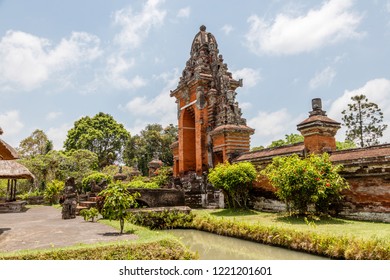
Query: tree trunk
{"points": [[122, 224]]}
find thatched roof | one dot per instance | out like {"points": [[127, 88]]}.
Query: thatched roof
{"points": [[7, 152], [11, 169]]}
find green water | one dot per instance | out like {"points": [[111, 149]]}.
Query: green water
{"points": [[215, 247]]}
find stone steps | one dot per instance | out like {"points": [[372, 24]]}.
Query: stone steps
{"points": [[87, 203], [79, 208]]}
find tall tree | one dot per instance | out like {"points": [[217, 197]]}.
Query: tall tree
{"points": [[363, 120], [153, 140], [289, 139], [100, 134], [36, 144]]}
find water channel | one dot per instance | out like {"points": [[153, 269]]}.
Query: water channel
{"points": [[216, 247]]}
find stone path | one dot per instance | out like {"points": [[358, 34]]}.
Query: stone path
{"points": [[42, 227]]}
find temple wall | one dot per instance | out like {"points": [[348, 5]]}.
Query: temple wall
{"points": [[367, 199]]}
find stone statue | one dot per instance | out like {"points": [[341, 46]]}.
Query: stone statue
{"points": [[70, 199]]}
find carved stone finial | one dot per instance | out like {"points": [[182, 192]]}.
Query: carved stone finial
{"points": [[316, 105], [202, 28]]}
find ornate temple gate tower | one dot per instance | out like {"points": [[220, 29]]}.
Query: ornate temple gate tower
{"points": [[211, 129]]}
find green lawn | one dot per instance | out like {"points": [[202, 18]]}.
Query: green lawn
{"points": [[332, 226]]}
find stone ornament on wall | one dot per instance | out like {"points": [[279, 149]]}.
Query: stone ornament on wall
{"points": [[200, 98]]}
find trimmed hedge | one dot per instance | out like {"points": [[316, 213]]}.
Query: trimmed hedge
{"points": [[159, 250]]}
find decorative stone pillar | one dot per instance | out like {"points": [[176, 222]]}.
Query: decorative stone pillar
{"points": [[318, 130]]}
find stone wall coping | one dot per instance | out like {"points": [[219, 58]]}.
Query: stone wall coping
{"points": [[267, 153]]}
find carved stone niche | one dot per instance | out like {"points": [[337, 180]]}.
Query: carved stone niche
{"points": [[200, 98], [186, 95]]}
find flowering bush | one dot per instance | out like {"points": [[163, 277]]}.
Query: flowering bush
{"points": [[235, 180], [302, 182]]}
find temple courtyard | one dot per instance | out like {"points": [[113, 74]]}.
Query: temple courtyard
{"points": [[41, 227]]}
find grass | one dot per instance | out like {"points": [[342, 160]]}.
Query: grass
{"points": [[330, 226]]}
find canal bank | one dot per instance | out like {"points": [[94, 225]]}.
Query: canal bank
{"points": [[216, 247]]}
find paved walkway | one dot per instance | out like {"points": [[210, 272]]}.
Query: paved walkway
{"points": [[42, 227]]}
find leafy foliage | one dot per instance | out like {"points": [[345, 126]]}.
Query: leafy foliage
{"points": [[162, 220], [59, 165], [36, 144], [114, 169], [53, 191], [345, 145], [235, 180], [141, 183], [302, 182], [363, 120], [98, 177], [154, 139], [89, 214], [100, 134], [163, 176], [117, 200], [289, 139]]}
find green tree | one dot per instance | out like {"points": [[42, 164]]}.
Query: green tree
{"points": [[79, 164], [363, 120], [57, 165], [345, 145], [309, 181], [100, 134], [154, 139], [234, 180], [117, 202], [36, 144], [289, 139]]}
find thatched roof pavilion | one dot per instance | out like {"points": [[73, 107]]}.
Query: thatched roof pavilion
{"points": [[7, 152], [11, 169]]}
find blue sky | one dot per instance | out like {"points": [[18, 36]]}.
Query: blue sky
{"points": [[62, 60]]}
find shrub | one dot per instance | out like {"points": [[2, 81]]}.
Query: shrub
{"points": [[97, 177], [34, 193], [302, 182], [117, 201], [140, 184], [162, 220], [235, 180], [53, 191], [89, 214], [164, 174]]}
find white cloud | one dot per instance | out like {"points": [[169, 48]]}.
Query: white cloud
{"points": [[377, 91], [334, 21], [270, 126], [58, 135], [323, 78], [10, 123], [250, 76], [227, 28], [161, 107], [117, 72], [136, 27], [53, 115], [245, 105], [27, 61], [184, 12]]}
